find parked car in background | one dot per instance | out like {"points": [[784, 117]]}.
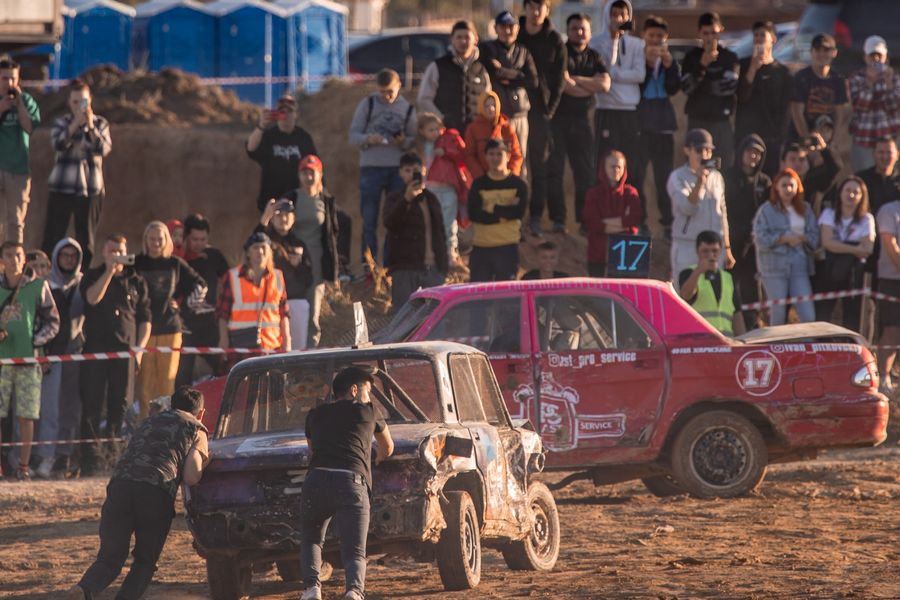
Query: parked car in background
{"points": [[461, 476], [406, 49], [624, 380], [850, 22]]}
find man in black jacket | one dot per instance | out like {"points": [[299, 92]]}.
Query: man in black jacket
{"points": [[415, 233], [709, 78], [746, 188], [549, 52], [513, 74], [882, 179], [657, 115], [763, 95]]}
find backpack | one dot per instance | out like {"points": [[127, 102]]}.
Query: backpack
{"points": [[371, 99]]}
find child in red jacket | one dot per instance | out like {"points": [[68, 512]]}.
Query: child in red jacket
{"points": [[611, 206], [488, 125], [446, 175]]}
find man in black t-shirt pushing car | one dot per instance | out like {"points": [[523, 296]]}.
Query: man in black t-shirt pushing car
{"points": [[340, 479]]}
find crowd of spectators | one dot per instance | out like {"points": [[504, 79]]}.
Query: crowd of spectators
{"points": [[755, 211]]}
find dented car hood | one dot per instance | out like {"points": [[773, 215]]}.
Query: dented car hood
{"points": [[801, 332]]}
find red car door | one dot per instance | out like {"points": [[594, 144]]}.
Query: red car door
{"points": [[602, 372]]}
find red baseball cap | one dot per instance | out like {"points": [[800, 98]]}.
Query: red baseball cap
{"points": [[311, 161]]}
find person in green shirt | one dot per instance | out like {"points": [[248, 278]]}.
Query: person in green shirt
{"points": [[19, 115]]}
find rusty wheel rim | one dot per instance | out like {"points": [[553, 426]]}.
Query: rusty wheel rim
{"points": [[720, 457]]}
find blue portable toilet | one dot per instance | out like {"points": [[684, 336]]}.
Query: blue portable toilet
{"points": [[316, 42], [97, 32], [252, 44], [175, 33]]}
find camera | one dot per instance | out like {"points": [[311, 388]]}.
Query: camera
{"points": [[276, 115], [83, 104], [713, 163], [124, 259], [12, 94], [417, 177], [626, 26], [810, 143]]}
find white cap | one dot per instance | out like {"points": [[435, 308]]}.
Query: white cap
{"points": [[875, 44]]}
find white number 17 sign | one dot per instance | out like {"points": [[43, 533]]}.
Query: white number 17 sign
{"points": [[758, 373]]}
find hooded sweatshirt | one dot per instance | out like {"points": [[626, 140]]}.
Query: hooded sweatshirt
{"points": [[69, 303], [482, 130], [744, 194], [549, 53], [374, 116], [625, 62], [605, 201]]}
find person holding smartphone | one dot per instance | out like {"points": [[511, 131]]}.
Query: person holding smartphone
{"points": [[875, 97], [81, 140], [415, 234], [711, 290]]}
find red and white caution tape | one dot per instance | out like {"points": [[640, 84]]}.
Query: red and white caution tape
{"points": [[60, 358], [60, 442], [819, 296]]}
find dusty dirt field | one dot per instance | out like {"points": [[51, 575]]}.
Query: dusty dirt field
{"points": [[821, 529]]}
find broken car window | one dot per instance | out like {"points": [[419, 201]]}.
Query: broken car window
{"points": [[489, 325]]}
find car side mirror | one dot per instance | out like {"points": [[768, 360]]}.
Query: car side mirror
{"points": [[457, 446]]}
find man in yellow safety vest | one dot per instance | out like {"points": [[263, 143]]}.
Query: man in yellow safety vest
{"points": [[711, 291]]}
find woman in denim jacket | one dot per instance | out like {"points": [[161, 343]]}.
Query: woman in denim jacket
{"points": [[786, 236]]}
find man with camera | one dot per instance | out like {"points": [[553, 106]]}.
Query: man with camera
{"points": [[710, 290], [116, 317], [277, 144], [875, 96], [19, 115], [697, 190], [813, 160], [81, 139], [415, 233]]}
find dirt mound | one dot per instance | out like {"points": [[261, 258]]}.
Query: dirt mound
{"points": [[170, 97]]}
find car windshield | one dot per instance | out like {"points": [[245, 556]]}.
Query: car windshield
{"points": [[410, 316], [280, 398]]}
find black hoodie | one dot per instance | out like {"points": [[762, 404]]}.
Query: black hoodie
{"points": [[743, 196], [762, 106], [549, 52]]}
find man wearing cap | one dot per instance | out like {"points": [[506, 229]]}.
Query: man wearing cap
{"points": [[817, 90], [339, 480], [278, 149], [253, 297], [512, 72], [875, 97], [697, 190]]}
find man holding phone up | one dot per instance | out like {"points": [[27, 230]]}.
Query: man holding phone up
{"points": [[710, 290], [81, 140]]}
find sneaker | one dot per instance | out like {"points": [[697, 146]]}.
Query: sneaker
{"points": [[534, 228], [559, 228], [23, 474], [312, 593], [354, 595], [45, 468], [886, 386]]}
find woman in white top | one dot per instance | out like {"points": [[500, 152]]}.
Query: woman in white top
{"points": [[786, 236], [848, 237]]}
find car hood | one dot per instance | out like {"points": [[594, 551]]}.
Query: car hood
{"points": [[802, 332], [290, 448]]}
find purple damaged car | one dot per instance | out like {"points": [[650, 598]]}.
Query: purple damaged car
{"points": [[460, 478]]}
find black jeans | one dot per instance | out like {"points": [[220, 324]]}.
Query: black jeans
{"points": [[131, 507], [621, 130], [572, 137], [540, 143], [203, 330], [744, 275], [657, 148], [60, 210], [499, 263], [102, 380], [344, 497]]}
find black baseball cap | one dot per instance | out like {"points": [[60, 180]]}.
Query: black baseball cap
{"points": [[258, 237], [699, 138], [505, 18]]}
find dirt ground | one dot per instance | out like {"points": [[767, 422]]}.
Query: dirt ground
{"points": [[821, 529]]}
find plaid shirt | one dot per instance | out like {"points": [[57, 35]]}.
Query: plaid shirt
{"points": [[876, 109], [79, 157], [225, 300]]}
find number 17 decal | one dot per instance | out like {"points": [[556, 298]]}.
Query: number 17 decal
{"points": [[624, 248], [758, 373]]}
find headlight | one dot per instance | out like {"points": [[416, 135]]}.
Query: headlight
{"points": [[863, 378]]}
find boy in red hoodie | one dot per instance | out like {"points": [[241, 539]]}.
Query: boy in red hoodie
{"points": [[611, 206], [488, 125]]}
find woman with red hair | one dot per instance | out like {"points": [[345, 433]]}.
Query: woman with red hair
{"points": [[786, 237]]}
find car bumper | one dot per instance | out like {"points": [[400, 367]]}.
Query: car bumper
{"points": [[847, 422]]}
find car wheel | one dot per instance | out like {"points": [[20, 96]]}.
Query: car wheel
{"points": [[662, 486], [228, 579], [540, 550], [289, 570], [459, 547], [719, 454]]}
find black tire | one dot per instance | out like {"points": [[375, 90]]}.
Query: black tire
{"points": [[662, 486], [458, 550], [719, 454], [289, 570], [540, 550], [228, 579]]}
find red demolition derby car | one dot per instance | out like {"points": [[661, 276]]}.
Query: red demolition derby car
{"points": [[624, 380]]}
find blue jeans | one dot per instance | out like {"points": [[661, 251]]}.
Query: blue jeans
{"points": [[795, 283], [372, 182], [344, 497]]}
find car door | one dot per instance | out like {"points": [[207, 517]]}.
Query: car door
{"points": [[498, 326], [601, 373]]}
